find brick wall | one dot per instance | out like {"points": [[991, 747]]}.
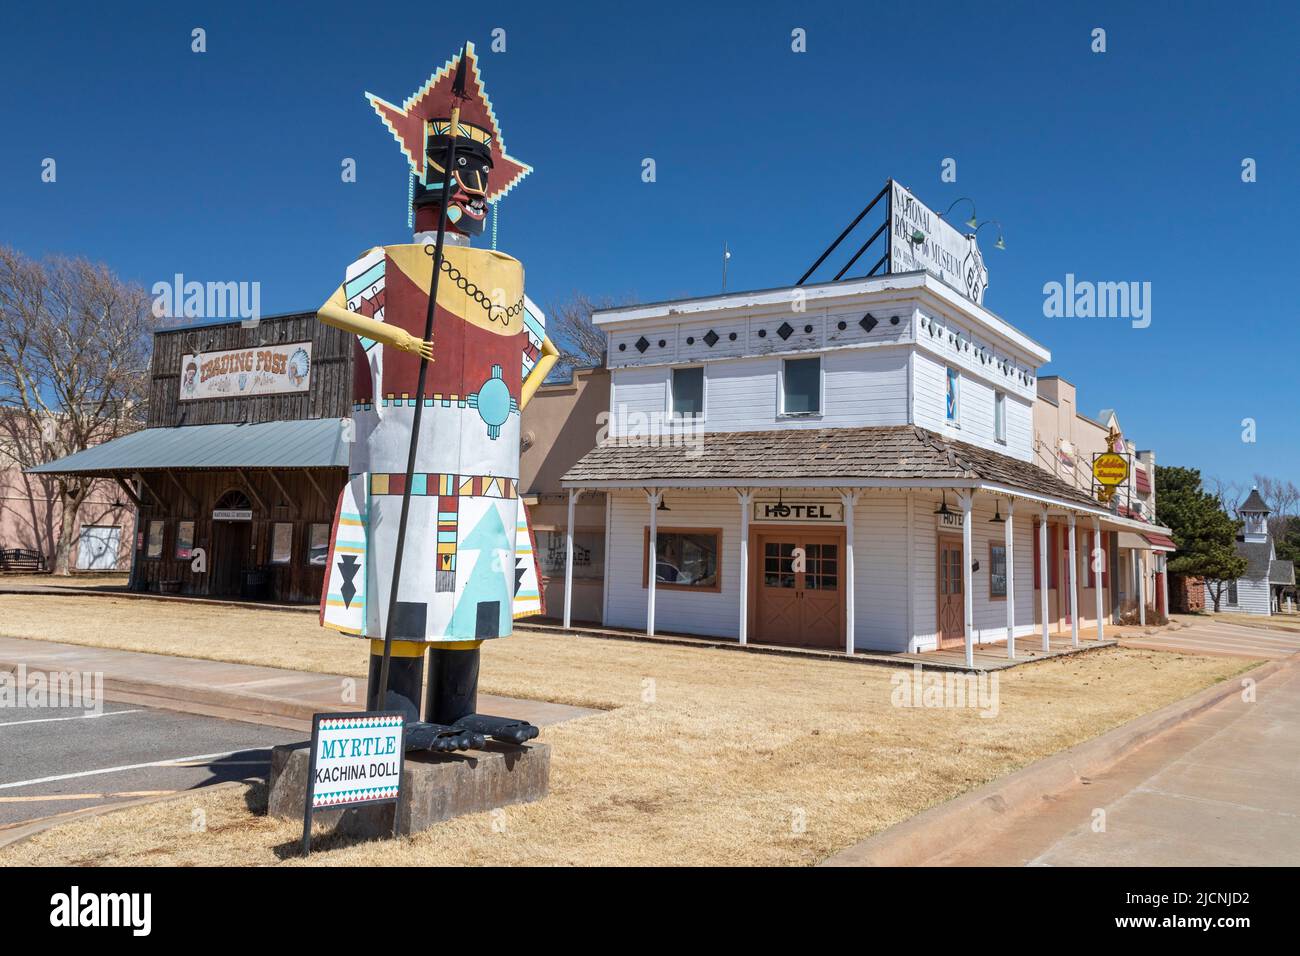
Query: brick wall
{"points": [[1186, 593]]}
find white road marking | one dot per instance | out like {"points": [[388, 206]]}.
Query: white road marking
{"points": [[50, 720], [207, 758]]}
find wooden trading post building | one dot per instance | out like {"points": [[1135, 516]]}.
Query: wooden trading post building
{"points": [[244, 454]]}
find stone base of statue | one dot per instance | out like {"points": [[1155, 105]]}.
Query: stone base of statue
{"points": [[435, 787]]}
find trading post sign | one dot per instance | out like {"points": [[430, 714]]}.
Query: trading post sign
{"points": [[234, 373], [356, 759]]}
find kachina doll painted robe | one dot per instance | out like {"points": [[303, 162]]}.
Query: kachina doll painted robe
{"points": [[468, 567]]}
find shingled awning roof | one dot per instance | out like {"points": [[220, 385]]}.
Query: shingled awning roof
{"points": [[1281, 572], [890, 454]]}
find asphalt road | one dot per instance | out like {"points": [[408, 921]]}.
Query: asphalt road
{"points": [[59, 760]]}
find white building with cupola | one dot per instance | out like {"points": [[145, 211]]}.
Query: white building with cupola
{"points": [[1260, 590]]}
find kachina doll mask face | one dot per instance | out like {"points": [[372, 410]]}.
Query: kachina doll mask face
{"points": [[467, 200], [483, 171]]}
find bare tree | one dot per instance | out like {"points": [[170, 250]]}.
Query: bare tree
{"points": [[74, 356], [569, 325], [1282, 498], [1229, 493]]}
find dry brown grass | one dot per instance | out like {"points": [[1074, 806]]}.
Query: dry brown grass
{"points": [[709, 757]]}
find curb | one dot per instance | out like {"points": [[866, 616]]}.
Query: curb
{"points": [[997, 804], [207, 702], [56, 591], [243, 705]]}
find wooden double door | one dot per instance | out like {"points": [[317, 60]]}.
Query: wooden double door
{"points": [[798, 587]]}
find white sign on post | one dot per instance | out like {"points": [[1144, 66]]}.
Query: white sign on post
{"points": [[919, 241], [355, 759]]}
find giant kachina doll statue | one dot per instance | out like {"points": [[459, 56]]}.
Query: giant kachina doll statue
{"points": [[431, 553]]}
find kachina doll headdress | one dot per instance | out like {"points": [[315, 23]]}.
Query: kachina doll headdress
{"points": [[484, 171]]}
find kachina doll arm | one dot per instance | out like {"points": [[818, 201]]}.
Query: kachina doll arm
{"points": [[545, 362], [335, 312]]}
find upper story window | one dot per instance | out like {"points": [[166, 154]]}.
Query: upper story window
{"points": [[1000, 417], [801, 386], [952, 405], [688, 391]]}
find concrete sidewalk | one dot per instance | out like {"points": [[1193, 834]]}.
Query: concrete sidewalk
{"points": [[1219, 788], [264, 695]]}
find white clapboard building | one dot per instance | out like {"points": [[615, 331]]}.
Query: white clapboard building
{"points": [[1260, 589], [845, 465]]}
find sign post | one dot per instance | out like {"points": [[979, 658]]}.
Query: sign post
{"points": [[356, 759], [1109, 470]]}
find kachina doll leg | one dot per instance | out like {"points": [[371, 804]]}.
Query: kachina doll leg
{"points": [[405, 682], [453, 697]]}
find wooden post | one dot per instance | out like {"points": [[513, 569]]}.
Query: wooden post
{"points": [[568, 561], [1074, 585], [849, 499], [1042, 579], [968, 596], [1140, 564], [653, 497], [745, 498], [1098, 566], [1164, 586], [1011, 581]]}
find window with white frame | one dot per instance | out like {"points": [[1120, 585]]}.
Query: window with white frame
{"points": [[688, 391], [1000, 417], [952, 403], [801, 386]]}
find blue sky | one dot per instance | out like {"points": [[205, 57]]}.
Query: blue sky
{"points": [[1122, 166]]}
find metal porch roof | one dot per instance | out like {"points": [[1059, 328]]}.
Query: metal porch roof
{"points": [[310, 443]]}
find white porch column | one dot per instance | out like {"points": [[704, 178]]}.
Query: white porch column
{"points": [[745, 498], [653, 497], [849, 499], [1011, 581], [1098, 559], [1074, 586], [1042, 578], [568, 560], [1141, 564], [1164, 584], [967, 584]]}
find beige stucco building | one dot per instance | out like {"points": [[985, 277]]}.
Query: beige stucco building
{"points": [[1065, 443], [560, 425]]}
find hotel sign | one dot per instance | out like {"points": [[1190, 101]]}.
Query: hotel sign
{"points": [[919, 241], [952, 521], [798, 510], [235, 373]]}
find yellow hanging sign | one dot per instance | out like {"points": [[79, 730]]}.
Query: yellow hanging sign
{"points": [[1110, 469]]}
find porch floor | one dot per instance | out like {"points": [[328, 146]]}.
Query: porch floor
{"points": [[989, 656], [992, 656]]}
